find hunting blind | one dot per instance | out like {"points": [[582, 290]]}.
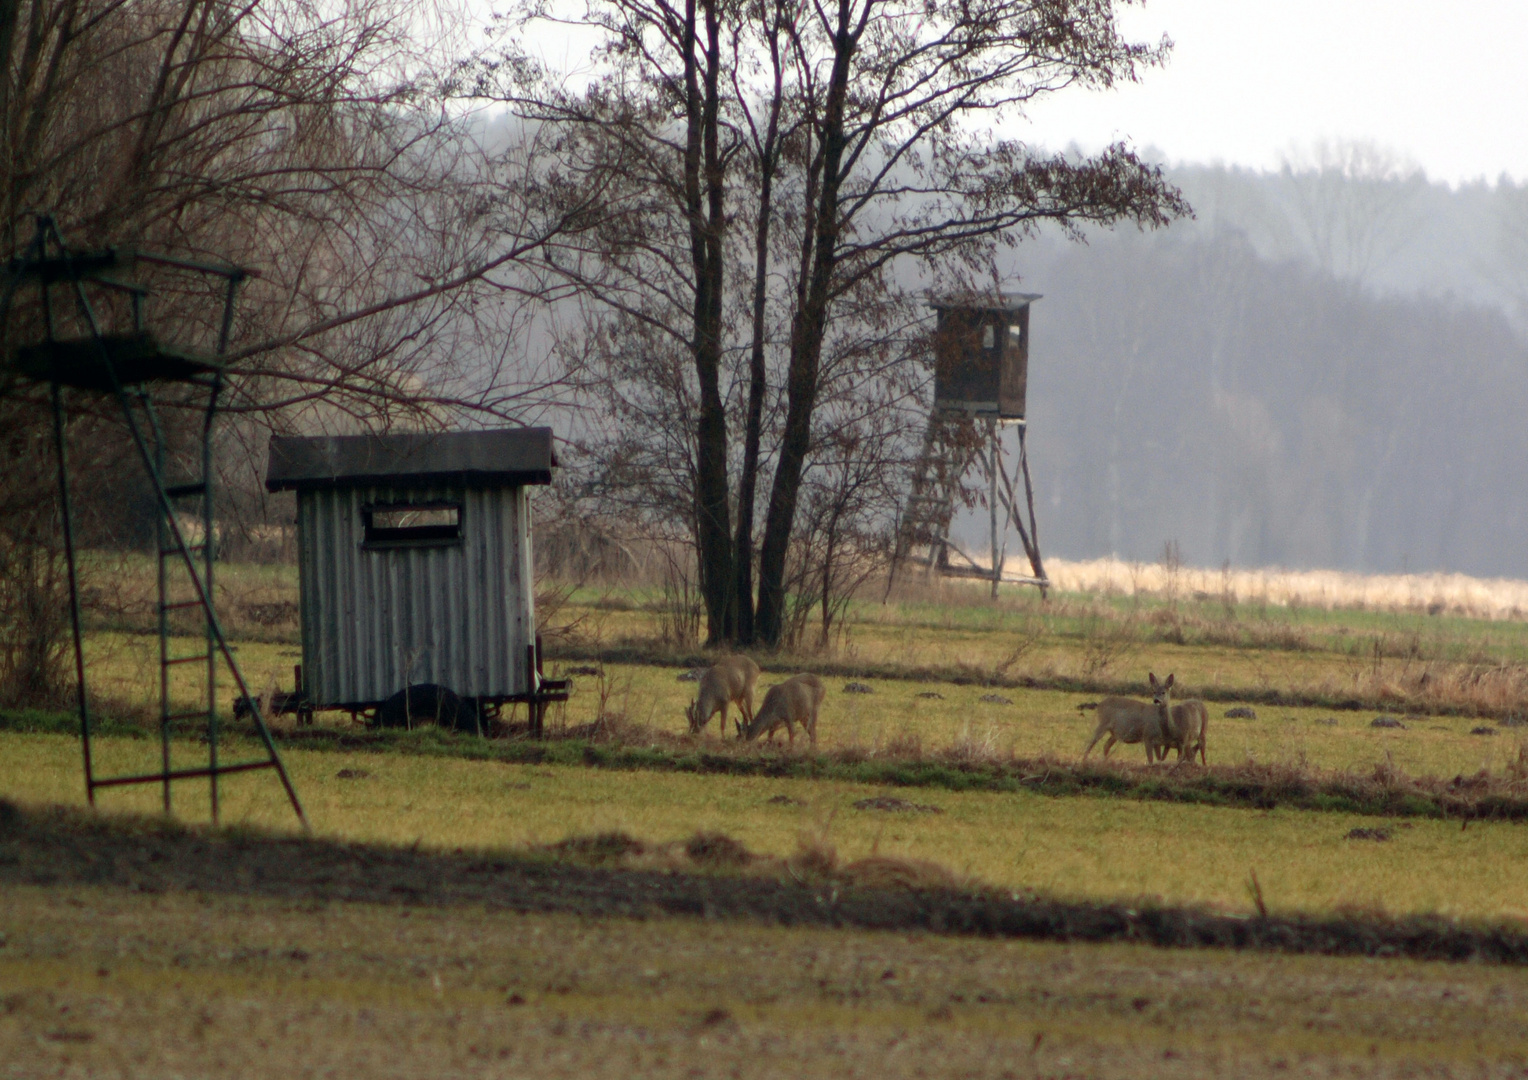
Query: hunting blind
{"points": [[980, 347]]}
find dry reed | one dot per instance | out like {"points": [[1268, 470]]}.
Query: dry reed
{"points": [[1438, 593]]}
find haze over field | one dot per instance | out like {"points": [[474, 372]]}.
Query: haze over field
{"points": [[1327, 368]]}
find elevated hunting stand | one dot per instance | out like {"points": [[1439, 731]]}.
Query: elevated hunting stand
{"points": [[981, 374], [127, 365]]}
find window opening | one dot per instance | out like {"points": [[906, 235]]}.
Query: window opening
{"points": [[412, 524]]}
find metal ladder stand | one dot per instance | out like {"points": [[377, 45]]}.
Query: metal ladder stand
{"points": [[126, 366]]}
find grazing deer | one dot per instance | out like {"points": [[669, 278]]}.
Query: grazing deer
{"points": [[1186, 731], [732, 678], [1131, 721], [795, 701]]}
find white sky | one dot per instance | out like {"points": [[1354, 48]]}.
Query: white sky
{"points": [[1444, 82]]}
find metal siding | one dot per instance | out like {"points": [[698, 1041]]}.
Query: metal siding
{"points": [[523, 619], [374, 621]]}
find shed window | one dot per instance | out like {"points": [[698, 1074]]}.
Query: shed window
{"points": [[412, 524]]}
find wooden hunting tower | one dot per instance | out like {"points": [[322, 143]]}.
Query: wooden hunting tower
{"points": [[980, 348], [981, 354]]}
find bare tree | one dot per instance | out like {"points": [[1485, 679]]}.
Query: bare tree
{"points": [[856, 138], [898, 164], [310, 144], [657, 264], [1352, 204], [1510, 267]]}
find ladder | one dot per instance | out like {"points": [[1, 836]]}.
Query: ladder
{"points": [[936, 485], [954, 443], [126, 366]]}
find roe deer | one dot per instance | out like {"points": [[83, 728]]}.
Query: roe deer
{"points": [[1131, 721], [1186, 731], [732, 678], [795, 701]]}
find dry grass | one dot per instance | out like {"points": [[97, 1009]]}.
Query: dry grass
{"points": [[897, 720], [815, 861], [114, 982], [1329, 590]]}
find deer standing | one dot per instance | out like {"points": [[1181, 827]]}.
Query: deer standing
{"points": [[1130, 721], [1186, 731], [730, 679], [795, 701]]}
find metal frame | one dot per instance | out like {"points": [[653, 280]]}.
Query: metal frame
{"points": [[544, 692], [62, 266]]}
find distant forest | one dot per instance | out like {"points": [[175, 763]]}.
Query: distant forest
{"points": [[1327, 368]]}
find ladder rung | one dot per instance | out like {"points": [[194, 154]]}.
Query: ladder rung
{"points": [[184, 660], [185, 491], [180, 604]]}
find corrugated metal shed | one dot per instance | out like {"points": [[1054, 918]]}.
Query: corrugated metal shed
{"points": [[414, 556]]}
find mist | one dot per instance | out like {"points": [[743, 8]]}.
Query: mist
{"points": [[1268, 388]]}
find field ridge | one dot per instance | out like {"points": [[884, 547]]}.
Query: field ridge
{"points": [[56, 846]]}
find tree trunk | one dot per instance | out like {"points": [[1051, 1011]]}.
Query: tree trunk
{"points": [[807, 330], [704, 196], [752, 434]]}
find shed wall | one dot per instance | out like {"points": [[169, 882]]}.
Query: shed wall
{"points": [[375, 621]]}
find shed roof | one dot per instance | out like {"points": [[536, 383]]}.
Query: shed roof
{"points": [[983, 301], [505, 456]]}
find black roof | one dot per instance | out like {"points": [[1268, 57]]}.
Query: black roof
{"points": [[506, 456], [983, 301]]}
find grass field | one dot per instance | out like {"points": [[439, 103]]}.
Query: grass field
{"points": [[1079, 848], [1030, 723], [109, 980]]}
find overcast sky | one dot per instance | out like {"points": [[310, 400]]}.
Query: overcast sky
{"points": [[1444, 83]]}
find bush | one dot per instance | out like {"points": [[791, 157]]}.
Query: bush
{"points": [[34, 623]]}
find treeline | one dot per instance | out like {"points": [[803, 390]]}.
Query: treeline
{"points": [[1185, 388]]}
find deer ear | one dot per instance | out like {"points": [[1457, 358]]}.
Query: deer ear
{"points": [[1152, 676], [1169, 681]]}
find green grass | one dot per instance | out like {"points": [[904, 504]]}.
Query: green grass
{"points": [[1041, 722], [112, 980], [1036, 723], [1073, 848]]}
